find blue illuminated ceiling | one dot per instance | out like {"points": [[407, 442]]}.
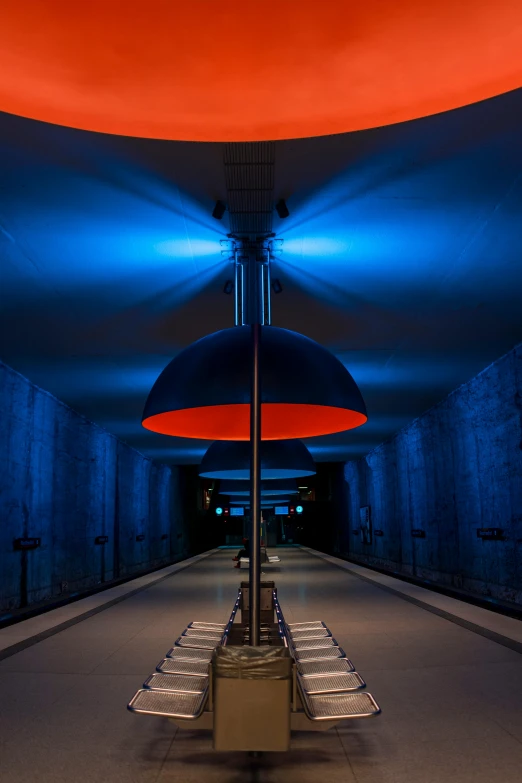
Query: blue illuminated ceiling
{"points": [[402, 254]]}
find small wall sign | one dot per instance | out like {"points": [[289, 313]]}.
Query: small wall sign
{"points": [[378, 532], [22, 544], [490, 533], [418, 533], [140, 537], [101, 539]]}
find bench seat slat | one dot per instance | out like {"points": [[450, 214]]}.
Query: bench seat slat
{"points": [[180, 666], [190, 654], [168, 704], [176, 682], [328, 666], [332, 683], [332, 706]]}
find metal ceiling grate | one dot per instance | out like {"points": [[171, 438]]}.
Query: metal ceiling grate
{"points": [[249, 177]]}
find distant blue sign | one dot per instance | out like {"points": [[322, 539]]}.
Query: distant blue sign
{"points": [[219, 511]]}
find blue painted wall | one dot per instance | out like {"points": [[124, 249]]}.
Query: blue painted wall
{"points": [[456, 469], [66, 481]]}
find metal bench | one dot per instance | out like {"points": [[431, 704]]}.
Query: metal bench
{"points": [[208, 626], [244, 562], [325, 666], [311, 644], [313, 624], [197, 642], [180, 687], [313, 633], [181, 666], [331, 682], [186, 683], [340, 706], [190, 654], [203, 633], [168, 704], [329, 687], [325, 681], [318, 654]]}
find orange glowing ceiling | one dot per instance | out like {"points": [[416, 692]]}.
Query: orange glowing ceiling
{"points": [[239, 70]]}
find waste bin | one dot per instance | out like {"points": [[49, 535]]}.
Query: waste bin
{"points": [[252, 693]]}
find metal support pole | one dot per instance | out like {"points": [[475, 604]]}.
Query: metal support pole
{"points": [[236, 292], [268, 292], [255, 449], [244, 307]]}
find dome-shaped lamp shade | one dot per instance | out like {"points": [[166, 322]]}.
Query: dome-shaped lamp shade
{"points": [[280, 459], [205, 391], [272, 488], [264, 503]]}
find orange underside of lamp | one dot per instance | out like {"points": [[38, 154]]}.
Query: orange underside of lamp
{"points": [[243, 71], [279, 421]]}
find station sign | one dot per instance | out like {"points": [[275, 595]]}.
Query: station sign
{"points": [[22, 544], [490, 533]]}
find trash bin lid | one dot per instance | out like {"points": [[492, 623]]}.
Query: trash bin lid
{"points": [[252, 663]]}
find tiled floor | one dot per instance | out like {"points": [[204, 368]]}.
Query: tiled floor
{"points": [[451, 699]]}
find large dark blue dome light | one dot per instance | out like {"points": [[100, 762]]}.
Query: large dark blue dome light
{"points": [[267, 501], [274, 487], [205, 391], [280, 459]]}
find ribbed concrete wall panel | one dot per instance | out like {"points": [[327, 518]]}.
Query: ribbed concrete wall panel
{"points": [[67, 481], [452, 472]]}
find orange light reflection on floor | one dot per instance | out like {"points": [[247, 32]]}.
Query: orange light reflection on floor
{"points": [[235, 71], [279, 421]]}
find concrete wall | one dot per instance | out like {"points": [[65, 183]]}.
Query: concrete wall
{"points": [[66, 481], [456, 469]]}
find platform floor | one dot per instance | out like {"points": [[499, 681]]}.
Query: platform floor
{"points": [[451, 699]]}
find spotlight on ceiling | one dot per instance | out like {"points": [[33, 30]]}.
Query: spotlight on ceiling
{"points": [[228, 287], [219, 210], [282, 209], [276, 286]]}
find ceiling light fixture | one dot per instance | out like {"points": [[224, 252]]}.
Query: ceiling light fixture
{"points": [[204, 392], [280, 459], [274, 487], [219, 210], [281, 209]]}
